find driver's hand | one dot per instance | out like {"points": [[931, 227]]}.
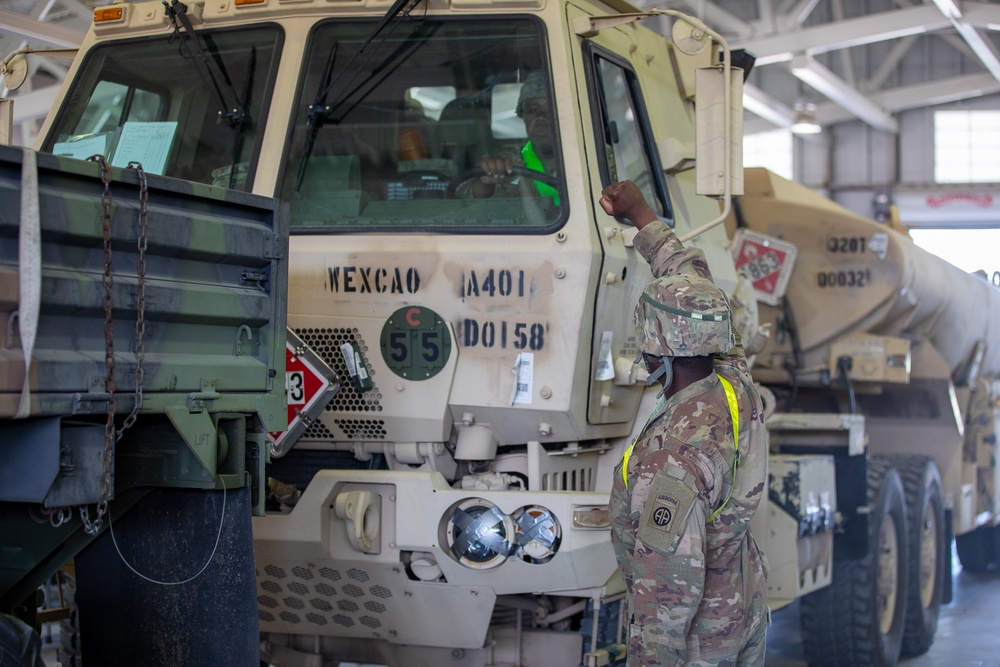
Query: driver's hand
{"points": [[497, 168]]}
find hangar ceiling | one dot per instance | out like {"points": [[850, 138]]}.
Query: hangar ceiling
{"points": [[852, 59], [858, 59]]}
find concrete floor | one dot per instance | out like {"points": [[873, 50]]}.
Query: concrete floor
{"points": [[968, 633]]}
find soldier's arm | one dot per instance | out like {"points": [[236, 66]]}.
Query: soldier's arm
{"points": [[670, 550], [666, 599], [667, 255], [655, 240]]}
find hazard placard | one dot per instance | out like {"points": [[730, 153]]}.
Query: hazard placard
{"points": [[309, 385], [766, 262]]}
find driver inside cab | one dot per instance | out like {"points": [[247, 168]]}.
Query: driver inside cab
{"points": [[538, 154]]}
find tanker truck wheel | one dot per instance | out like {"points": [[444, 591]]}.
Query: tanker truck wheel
{"points": [[858, 620], [925, 546]]}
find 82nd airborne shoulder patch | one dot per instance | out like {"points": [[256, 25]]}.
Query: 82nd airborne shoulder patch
{"points": [[665, 513]]}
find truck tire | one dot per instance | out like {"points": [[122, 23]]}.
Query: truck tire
{"points": [[20, 645], [977, 550], [68, 651], [926, 547], [858, 620]]}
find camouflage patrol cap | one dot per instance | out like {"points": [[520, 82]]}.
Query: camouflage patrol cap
{"points": [[683, 316]]}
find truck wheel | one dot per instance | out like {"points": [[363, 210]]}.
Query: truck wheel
{"points": [[20, 645], [68, 651], [976, 550], [925, 544], [858, 620]]}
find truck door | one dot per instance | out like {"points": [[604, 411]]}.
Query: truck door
{"points": [[606, 68]]}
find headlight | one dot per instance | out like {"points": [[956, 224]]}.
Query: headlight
{"points": [[478, 534], [538, 534]]}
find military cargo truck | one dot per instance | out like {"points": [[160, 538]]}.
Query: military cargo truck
{"points": [[449, 505], [142, 366], [484, 344]]}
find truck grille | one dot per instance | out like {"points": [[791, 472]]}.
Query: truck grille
{"points": [[321, 596], [326, 343]]}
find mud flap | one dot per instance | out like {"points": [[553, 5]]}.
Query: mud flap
{"points": [[168, 537]]}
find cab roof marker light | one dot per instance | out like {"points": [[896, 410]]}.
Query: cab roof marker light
{"points": [[112, 14], [245, 3]]}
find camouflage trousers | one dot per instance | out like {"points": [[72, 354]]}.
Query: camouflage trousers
{"points": [[750, 654]]}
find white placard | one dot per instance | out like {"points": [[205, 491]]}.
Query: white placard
{"points": [[605, 364], [145, 143], [81, 149], [524, 371]]}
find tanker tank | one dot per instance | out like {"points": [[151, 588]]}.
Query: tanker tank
{"points": [[869, 329], [854, 275]]}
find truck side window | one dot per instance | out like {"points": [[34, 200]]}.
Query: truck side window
{"points": [[624, 131]]}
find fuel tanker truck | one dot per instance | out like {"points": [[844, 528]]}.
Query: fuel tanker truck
{"points": [[881, 356], [449, 504]]}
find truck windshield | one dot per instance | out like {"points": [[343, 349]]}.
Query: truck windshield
{"points": [[393, 136], [156, 102]]}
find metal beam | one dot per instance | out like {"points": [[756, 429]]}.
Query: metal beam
{"points": [[918, 96], [18, 24], [770, 109], [980, 15], [41, 9], [80, 9], [719, 18], [846, 61], [766, 13], [843, 34], [815, 75], [896, 100], [889, 62], [982, 47], [801, 11]]}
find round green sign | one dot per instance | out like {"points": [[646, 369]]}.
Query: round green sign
{"points": [[416, 343]]}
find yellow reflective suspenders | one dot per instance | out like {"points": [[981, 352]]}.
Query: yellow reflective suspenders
{"points": [[734, 412]]}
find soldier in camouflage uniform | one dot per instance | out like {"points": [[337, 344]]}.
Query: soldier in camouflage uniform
{"points": [[682, 500]]}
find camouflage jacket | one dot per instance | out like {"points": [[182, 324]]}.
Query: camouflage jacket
{"points": [[696, 590]]}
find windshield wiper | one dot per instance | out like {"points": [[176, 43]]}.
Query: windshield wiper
{"points": [[318, 111], [234, 113], [241, 124], [382, 71], [317, 114]]}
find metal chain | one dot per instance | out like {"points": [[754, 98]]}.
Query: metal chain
{"points": [[92, 527], [60, 516], [140, 297]]}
